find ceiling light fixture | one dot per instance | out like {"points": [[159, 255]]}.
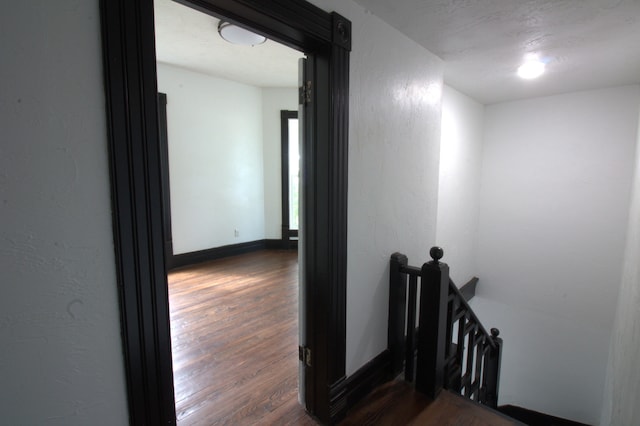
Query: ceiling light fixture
{"points": [[532, 68], [238, 35]]}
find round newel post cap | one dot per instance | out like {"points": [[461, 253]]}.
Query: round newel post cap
{"points": [[436, 253], [495, 332]]}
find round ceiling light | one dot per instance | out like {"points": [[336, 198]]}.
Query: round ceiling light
{"points": [[238, 35], [532, 68]]}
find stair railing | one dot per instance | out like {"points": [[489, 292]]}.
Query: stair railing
{"points": [[450, 348]]}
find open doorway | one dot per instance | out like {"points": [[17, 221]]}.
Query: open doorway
{"points": [[131, 93], [233, 283]]}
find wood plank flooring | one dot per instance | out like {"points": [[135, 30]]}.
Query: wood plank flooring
{"points": [[396, 403], [234, 337], [234, 334]]}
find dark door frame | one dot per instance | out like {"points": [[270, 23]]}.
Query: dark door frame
{"points": [[163, 141], [287, 232], [136, 187]]}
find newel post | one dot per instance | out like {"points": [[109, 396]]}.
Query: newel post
{"points": [[434, 294], [397, 311], [492, 370]]}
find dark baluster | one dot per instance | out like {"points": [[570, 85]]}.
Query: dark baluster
{"points": [[397, 311], [468, 389], [492, 370], [450, 348], [478, 368], [462, 323], [433, 322], [410, 360]]}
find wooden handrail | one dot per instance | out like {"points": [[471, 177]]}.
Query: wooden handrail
{"points": [[463, 301], [440, 353], [468, 290]]}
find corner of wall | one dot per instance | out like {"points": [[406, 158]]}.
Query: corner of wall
{"points": [[620, 403], [459, 181]]}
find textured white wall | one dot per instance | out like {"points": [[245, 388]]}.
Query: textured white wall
{"points": [[549, 364], [557, 175], [459, 186], [621, 404], [215, 159], [61, 354], [394, 139], [60, 349], [273, 101]]}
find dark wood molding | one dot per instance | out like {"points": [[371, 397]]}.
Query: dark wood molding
{"points": [[469, 289], [348, 392], [396, 338], [273, 244], [194, 257], [163, 141], [191, 258], [297, 24], [136, 190], [137, 195], [341, 32], [531, 417], [336, 294]]}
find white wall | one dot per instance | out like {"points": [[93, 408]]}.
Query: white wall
{"points": [[554, 207], [215, 159], [60, 349], [459, 186], [394, 138], [273, 101], [621, 404], [61, 315], [393, 169], [551, 365]]}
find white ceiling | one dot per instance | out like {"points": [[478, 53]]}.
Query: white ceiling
{"points": [[588, 43], [189, 39]]}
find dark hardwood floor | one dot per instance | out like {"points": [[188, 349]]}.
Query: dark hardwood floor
{"points": [[397, 403], [234, 334]]}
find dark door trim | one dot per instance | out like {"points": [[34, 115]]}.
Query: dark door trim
{"points": [[136, 187], [287, 232], [163, 140]]}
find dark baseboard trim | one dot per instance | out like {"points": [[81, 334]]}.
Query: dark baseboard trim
{"points": [[186, 259], [534, 418], [346, 393], [280, 245]]}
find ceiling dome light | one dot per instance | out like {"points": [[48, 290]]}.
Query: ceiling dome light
{"points": [[532, 68], [237, 35]]}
